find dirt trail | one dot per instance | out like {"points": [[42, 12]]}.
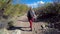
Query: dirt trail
{"points": [[23, 22]]}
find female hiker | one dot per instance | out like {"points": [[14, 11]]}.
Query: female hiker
{"points": [[31, 16]]}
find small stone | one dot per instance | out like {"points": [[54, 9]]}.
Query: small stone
{"points": [[35, 31]]}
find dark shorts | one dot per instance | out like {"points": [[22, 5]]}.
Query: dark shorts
{"points": [[32, 19]]}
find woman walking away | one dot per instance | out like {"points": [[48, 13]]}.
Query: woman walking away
{"points": [[31, 15]]}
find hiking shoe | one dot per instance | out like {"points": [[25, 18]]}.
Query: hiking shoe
{"points": [[30, 30]]}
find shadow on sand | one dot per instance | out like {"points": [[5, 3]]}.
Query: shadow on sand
{"points": [[20, 28]]}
